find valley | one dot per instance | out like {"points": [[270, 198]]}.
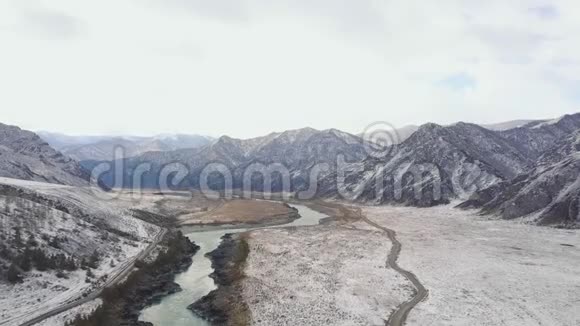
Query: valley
{"points": [[290, 163], [472, 225]]}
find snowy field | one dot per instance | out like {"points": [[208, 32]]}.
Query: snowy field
{"points": [[321, 275], [486, 272]]}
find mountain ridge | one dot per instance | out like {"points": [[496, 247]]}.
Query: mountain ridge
{"points": [[24, 155]]}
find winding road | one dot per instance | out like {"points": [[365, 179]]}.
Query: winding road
{"points": [[119, 275], [399, 316]]}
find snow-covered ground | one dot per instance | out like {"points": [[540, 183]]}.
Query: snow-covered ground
{"points": [[82, 310], [91, 224], [321, 275], [486, 272]]}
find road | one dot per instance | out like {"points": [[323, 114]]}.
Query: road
{"points": [[113, 279], [399, 316]]}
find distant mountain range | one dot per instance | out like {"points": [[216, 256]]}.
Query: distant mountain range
{"points": [[406, 132], [102, 148], [298, 150], [514, 169]]}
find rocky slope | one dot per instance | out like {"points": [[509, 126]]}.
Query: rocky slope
{"points": [[24, 155], [537, 137], [434, 165], [548, 194]]}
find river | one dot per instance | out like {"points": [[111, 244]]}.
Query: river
{"points": [[196, 283]]}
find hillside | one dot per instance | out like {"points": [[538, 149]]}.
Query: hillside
{"points": [[448, 160], [537, 137], [24, 155], [548, 194], [58, 242]]}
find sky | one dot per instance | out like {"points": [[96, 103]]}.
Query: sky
{"points": [[249, 67]]}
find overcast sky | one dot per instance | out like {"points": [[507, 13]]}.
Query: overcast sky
{"points": [[249, 67]]}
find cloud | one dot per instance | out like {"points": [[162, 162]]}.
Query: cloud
{"points": [[248, 67], [512, 46], [548, 12], [225, 10], [34, 20], [50, 24]]}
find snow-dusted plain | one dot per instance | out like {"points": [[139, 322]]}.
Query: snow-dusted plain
{"points": [[321, 275], [486, 272]]}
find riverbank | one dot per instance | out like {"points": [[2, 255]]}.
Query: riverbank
{"points": [[225, 305], [242, 212], [146, 286]]}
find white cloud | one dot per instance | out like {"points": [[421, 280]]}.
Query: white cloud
{"points": [[246, 68]]}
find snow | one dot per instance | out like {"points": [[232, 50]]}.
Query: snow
{"points": [[548, 123], [42, 291], [93, 202], [321, 275], [85, 233], [486, 272], [82, 310], [503, 126]]}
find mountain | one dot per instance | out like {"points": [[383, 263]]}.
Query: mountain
{"points": [[24, 155], [395, 135], [507, 125], [438, 163], [434, 165], [58, 141], [101, 148], [549, 193], [105, 149], [537, 137], [406, 132], [297, 150]]}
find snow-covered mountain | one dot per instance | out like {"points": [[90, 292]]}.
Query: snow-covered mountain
{"points": [[507, 125], [450, 162], [548, 194], [404, 133], [432, 166], [102, 148], [298, 150], [24, 155], [537, 137]]}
